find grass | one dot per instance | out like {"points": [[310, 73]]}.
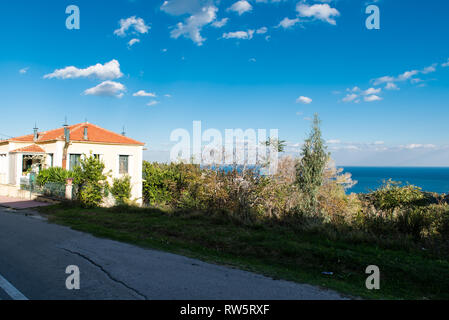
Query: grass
{"points": [[275, 251]]}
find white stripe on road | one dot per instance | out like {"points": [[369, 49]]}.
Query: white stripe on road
{"points": [[11, 290]]}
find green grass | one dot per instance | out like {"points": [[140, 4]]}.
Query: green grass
{"points": [[275, 251]]}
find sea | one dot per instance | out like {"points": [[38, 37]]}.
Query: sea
{"points": [[431, 179]]}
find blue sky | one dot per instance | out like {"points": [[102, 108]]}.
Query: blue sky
{"points": [[382, 94]]}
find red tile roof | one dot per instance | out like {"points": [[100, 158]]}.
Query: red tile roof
{"points": [[94, 134], [33, 148]]}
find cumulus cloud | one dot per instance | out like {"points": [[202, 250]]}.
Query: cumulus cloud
{"points": [[152, 103], [134, 23], [241, 7], [288, 23], [262, 30], [372, 98], [133, 42], [350, 97], [108, 71], [419, 146], [23, 71], [304, 100], [191, 28], [318, 11], [371, 91], [143, 93], [391, 86], [107, 89], [429, 69], [220, 23], [406, 76], [244, 35]]}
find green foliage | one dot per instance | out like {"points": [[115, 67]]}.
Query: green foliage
{"points": [[277, 144], [121, 190], [54, 174], [310, 169], [392, 195], [92, 181]]}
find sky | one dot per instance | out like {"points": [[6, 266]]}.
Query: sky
{"points": [[155, 66]]}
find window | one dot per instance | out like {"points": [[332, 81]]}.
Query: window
{"points": [[75, 161], [50, 160], [97, 156], [123, 164]]}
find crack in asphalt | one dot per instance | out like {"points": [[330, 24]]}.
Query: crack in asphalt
{"points": [[106, 272]]}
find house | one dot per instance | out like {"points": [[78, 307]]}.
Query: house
{"points": [[64, 148]]}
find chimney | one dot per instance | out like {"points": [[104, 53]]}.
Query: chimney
{"points": [[35, 133], [66, 133], [85, 136]]}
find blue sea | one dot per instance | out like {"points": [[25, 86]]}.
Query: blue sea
{"points": [[430, 179]]}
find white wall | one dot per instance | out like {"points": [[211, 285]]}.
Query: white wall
{"points": [[109, 154]]}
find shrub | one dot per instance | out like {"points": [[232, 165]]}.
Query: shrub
{"points": [[54, 174], [121, 190], [392, 195], [92, 181]]}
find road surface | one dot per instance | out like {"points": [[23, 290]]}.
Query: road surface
{"points": [[34, 255]]}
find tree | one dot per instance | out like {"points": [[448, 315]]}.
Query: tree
{"points": [[310, 169], [92, 181], [277, 144]]}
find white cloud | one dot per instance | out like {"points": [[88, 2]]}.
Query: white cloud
{"points": [[167, 95], [107, 89], [133, 42], [252, 60], [241, 7], [446, 64], [372, 98], [419, 146], [407, 75], [138, 24], [143, 93], [108, 71], [371, 91], [355, 89], [304, 100], [262, 30], [333, 141], [350, 97], [429, 69], [24, 70], [244, 35], [179, 7], [391, 86], [384, 79], [152, 103], [220, 23], [288, 23], [192, 27], [318, 11]]}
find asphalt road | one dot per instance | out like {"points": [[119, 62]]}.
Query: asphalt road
{"points": [[34, 255]]}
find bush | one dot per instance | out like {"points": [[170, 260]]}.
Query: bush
{"points": [[92, 181], [121, 190], [54, 174], [392, 195]]}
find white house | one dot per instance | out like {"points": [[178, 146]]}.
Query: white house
{"points": [[64, 148]]}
